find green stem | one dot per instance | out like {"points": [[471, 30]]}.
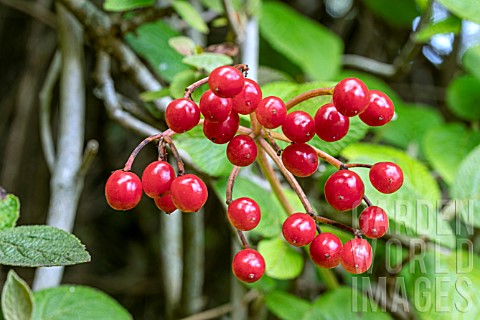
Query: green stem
{"points": [[329, 278]]}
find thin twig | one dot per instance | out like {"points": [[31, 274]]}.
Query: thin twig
{"points": [[231, 181], [176, 154], [308, 95]]}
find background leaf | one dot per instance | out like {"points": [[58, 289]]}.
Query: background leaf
{"points": [[449, 25], [471, 60], [207, 61], [38, 246], [188, 13], [398, 12], [463, 94], [287, 306], [76, 302], [123, 5], [467, 9], [9, 211], [315, 49], [282, 261], [17, 299]]}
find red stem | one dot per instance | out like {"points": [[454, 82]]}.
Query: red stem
{"points": [[308, 95]]}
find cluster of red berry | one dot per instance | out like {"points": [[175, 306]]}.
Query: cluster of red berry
{"points": [[231, 94]]}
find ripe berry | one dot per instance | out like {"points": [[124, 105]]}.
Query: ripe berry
{"points": [[214, 108], [344, 190], [386, 177], [157, 178], [248, 99], [165, 202], [248, 265], [326, 250], [299, 126], [182, 115], [242, 150], [123, 190], [244, 214], [356, 256], [373, 222], [299, 229], [300, 159], [189, 193], [379, 111], [226, 81], [350, 97], [271, 112], [330, 125], [222, 132]]}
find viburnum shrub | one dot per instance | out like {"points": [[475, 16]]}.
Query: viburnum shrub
{"points": [[229, 94]]}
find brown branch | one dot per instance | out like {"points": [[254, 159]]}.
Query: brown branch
{"points": [[308, 95]]}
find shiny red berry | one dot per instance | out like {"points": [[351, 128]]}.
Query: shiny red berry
{"points": [[182, 115], [299, 126], [373, 222], [157, 178], [330, 125], [356, 256], [165, 203], [326, 250], [351, 97], [299, 229], [222, 132], [300, 159], [248, 99], [386, 177], [379, 111], [344, 190], [123, 190], [271, 112], [226, 81], [244, 214], [242, 150], [248, 265], [189, 193], [214, 108]]}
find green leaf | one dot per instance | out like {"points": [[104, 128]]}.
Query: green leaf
{"points": [[124, 5], [215, 5], [76, 303], [471, 61], [399, 13], [414, 209], [148, 96], [345, 303], [150, 41], [181, 81], [449, 25], [207, 61], [443, 286], [17, 299], [9, 211], [315, 49], [287, 306], [455, 138], [40, 246], [466, 9], [282, 261], [463, 94], [184, 45], [188, 13], [466, 188]]}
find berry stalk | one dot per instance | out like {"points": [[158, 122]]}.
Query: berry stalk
{"points": [[308, 95]]}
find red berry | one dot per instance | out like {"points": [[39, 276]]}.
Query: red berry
{"points": [[373, 222], [226, 81], [222, 132], [157, 178], [248, 265], [350, 97], [165, 202], [189, 193], [300, 159], [247, 101], [386, 177], [344, 190], [299, 126], [331, 125], [123, 190], [326, 250], [214, 108], [299, 229], [242, 150], [356, 256], [182, 115], [271, 112], [244, 214], [379, 111]]}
